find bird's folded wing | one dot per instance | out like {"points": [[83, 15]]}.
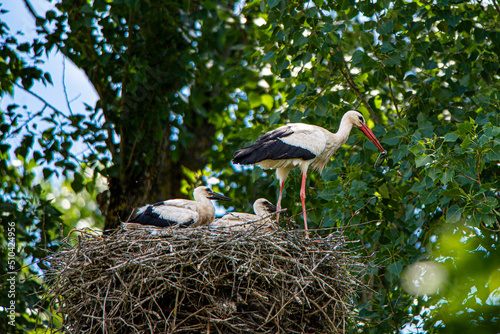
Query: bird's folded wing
{"points": [[163, 215], [181, 203], [307, 137], [234, 218]]}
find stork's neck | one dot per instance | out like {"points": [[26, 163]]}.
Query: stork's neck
{"points": [[205, 209], [260, 210], [342, 134]]}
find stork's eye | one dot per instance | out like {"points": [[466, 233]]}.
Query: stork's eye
{"points": [[361, 119]]}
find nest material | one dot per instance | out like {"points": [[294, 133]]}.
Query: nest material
{"points": [[200, 280]]}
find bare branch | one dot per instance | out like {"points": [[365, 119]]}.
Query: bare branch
{"points": [[40, 98], [394, 102], [359, 210], [31, 9], [348, 78], [65, 88]]}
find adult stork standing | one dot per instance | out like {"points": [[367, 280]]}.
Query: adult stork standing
{"points": [[240, 221], [180, 212], [301, 145]]}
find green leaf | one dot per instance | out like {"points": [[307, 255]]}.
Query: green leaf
{"points": [[386, 27], [47, 172], [400, 124], [301, 41], [453, 192], [495, 131], [77, 183], [274, 118], [453, 20], [269, 56], [423, 160], [267, 101], [357, 58], [283, 64], [338, 58], [393, 60], [295, 115], [256, 173], [450, 137], [300, 88], [489, 204], [489, 219], [493, 154], [328, 194], [254, 99], [262, 6], [48, 78], [7, 207], [391, 138], [454, 214], [320, 110], [384, 191], [464, 128], [395, 268], [311, 12], [399, 153], [447, 176], [273, 3], [368, 62], [466, 143], [386, 47]]}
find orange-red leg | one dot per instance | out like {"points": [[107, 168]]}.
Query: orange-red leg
{"points": [[303, 199], [279, 201]]}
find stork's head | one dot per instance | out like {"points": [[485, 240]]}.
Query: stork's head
{"points": [[357, 119], [208, 193], [262, 207]]}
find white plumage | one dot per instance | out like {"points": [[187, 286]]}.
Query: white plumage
{"points": [[241, 221], [181, 212], [301, 145]]}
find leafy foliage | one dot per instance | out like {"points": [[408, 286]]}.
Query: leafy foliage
{"points": [[29, 222], [426, 75]]}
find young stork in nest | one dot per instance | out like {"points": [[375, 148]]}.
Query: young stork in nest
{"points": [[241, 221], [301, 145], [180, 212]]}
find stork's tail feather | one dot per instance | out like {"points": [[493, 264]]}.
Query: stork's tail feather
{"points": [[246, 156]]}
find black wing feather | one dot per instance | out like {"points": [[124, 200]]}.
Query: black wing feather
{"points": [[269, 146], [149, 217]]}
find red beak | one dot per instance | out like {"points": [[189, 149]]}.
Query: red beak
{"points": [[366, 130]]}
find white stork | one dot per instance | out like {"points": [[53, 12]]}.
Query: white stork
{"points": [[301, 145], [180, 212], [240, 221]]}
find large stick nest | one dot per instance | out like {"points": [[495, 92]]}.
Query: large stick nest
{"points": [[200, 280]]}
